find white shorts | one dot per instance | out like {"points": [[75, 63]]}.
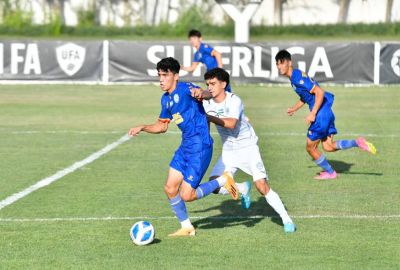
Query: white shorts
{"points": [[247, 159]]}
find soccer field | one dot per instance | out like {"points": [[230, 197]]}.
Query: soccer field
{"points": [[82, 219]]}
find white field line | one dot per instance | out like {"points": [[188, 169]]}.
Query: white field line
{"points": [[68, 219], [294, 134], [48, 180]]}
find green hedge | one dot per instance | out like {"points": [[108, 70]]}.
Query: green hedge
{"points": [[226, 31]]}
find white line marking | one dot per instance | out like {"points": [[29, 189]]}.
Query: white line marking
{"points": [[295, 134], [48, 180], [196, 217]]}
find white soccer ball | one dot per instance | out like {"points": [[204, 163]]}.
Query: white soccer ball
{"points": [[142, 233]]}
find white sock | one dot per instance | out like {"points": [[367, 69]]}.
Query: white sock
{"points": [[186, 223], [222, 180], [223, 191], [276, 203], [242, 187]]}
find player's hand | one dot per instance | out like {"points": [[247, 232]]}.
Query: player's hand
{"points": [[134, 131], [197, 93], [290, 111], [310, 118]]}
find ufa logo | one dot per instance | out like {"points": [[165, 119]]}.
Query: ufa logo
{"points": [[395, 63], [70, 57]]}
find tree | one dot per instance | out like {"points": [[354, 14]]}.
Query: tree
{"points": [[343, 10]]}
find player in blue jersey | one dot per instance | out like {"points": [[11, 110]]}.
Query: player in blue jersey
{"points": [[193, 156], [321, 119], [204, 54]]}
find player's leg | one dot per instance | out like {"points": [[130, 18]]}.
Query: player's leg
{"points": [[172, 185], [320, 130], [174, 180], [197, 165], [319, 159], [275, 202], [223, 165], [360, 142]]}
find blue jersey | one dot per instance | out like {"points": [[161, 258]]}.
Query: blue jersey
{"points": [[204, 56], [302, 85], [189, 115], [324, 124]]}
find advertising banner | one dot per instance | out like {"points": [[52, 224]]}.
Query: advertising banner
{"points": [[249, 63], [390, 63], [51, 60]]}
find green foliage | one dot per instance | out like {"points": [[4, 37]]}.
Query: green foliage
{"points": [[17, 19], [18, 23], [86, 18]]}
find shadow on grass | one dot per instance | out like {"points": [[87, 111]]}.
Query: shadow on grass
{"points": [[232, 214], [342, 167]]}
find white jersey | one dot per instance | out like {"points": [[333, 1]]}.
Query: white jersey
{"points": [[243, 134]]}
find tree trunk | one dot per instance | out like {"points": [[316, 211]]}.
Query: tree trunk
{"points": [[343, 11], [389, 8]]}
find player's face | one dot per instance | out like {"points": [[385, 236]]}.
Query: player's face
{"points": [[283, 66], [215, 87], [167, 80], [195, 41]]}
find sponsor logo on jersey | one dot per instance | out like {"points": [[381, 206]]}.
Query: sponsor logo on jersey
{"points": [[176, 98]]}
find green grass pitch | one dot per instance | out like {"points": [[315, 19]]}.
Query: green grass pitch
{"points": [[349, 223]]}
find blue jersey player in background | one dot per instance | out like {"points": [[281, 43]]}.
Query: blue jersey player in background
{"points": [[204, 54], [193, 156], [321, 119]]}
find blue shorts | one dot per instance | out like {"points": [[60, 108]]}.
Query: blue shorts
{"points": [[193, 166], [228, 88], [323, 126]]}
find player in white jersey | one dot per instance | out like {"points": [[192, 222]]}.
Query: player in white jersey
{"points": [[239, 143]]}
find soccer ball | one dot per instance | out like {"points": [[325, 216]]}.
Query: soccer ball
{"points": [[142, 233]]}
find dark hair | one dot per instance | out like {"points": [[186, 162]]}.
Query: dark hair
{"points": [[194, 33], [218, 73], [283, 55], [170, 64]]}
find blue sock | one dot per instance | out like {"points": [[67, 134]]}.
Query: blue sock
{"points": [[346, 144], [206, 188], [179, 208], [324, 164]]}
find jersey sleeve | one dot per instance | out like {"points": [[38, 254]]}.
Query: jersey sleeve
{"points": [[164, 114], [301, 81], [235, 107]]}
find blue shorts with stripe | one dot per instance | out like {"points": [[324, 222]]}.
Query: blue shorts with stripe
{"points": [[323, 126], [193, 166]]}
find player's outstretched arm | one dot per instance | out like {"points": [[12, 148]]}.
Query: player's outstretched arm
{"points": [[218, 57], [191, 68], [296, 107], [160, 126]]}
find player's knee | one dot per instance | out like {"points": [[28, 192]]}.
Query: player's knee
{"points": [[262, 186], [188, 196], [170, 190]]}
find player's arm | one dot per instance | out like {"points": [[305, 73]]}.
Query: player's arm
{"points": [[160, 126], [296, 107], [200, 94], [319, 98], [191, 68], [223, 122], [218, 57]]}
